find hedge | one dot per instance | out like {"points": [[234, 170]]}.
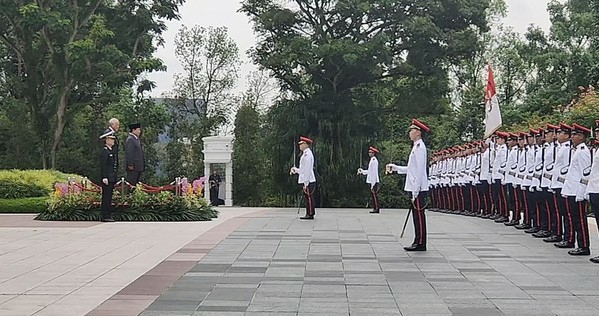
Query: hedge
{"points": [[25, 205], [17, 184]]}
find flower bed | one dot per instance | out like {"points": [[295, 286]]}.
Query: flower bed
{"points": [[180, 201]]}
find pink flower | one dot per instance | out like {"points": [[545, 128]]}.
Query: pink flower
{"points": [[185, 186], [62, 188]]}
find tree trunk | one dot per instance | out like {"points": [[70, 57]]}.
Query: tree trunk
{"points": [[60, 121]]}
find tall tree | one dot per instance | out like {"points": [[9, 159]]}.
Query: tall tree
{"points": [[67, 55], [202, 98], [334, 55]]}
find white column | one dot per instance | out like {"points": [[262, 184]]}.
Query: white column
{"points": [[229, 184], [206, 183]]}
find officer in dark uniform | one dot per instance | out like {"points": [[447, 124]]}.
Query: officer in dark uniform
{"points": [[109, 165]]}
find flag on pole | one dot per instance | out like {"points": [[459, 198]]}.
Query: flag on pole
{"points": [[492, 112]]}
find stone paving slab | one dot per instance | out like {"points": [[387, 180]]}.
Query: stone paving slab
{"points": [[71, 268], [349, 262]]}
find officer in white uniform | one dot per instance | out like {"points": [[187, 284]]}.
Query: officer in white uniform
{"points": [[499, 187], [372, 178], [306, 176], [560, 169], [550, 153], [574, 190], [592, 189], [510, 177], [416, 182]]}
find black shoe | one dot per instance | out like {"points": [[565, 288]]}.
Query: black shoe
{"points": [[594, 260], [564, 244], [415, 248], [522, 226], [553, 238], [512, 223], [580, 252], [486, 216], [108, 220], [542, 234], [374, 212], [533, 230], [501, 220], [307, 217]]}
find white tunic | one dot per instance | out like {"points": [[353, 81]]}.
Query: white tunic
{"points": [[581, 159], [306, 168], [372, 174], [562, 161], [500, 163], [537, 167], [593, 178], [485, 166], [549, 163], [512, 165], [416, 180]]}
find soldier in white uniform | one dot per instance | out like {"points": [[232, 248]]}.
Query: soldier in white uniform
{"points": [[510, 177], [416, 182], [500, 168], [574, 190], [306, 176], [592, 190], [560, 169], [372, 178], [549, 156], [484, 177]]}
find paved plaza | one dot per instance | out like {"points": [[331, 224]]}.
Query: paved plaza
{"points": [[268, 262]]}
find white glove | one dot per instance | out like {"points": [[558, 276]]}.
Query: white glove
{"points": [[105, 181], [360, 171], [531, 189], [414, 196], [293, 170], [579, 199], [389, 168]]}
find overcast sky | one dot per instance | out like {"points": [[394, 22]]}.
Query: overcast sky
{"points": [[521, 14]]}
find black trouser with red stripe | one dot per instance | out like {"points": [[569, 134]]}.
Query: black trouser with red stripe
{"points": [[419, 219], [547, 220], [578, 210], [309, 194], [555, 218], [374, 191], [514, 199], [594, 198], [485, 196], [466, 193], [564, 215], [497, 190]]}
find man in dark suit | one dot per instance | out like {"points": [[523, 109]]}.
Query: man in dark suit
{"points": [[214, 181], [113, 128], [134, 156], [109, 164]]}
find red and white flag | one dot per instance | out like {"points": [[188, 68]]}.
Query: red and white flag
{"points": [[492, 112]]}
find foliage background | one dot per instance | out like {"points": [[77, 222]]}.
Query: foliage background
{"points": [[328, 70]]}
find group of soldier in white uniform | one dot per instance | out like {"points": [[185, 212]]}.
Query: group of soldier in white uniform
{"points": [[540, 181], [416, 180]]}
